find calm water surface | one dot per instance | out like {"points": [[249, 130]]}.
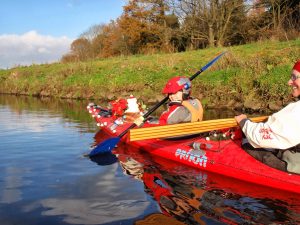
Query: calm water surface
{"points": [[46, 180]]}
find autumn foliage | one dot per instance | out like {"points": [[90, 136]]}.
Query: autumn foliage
{"points": [[152, 26]]}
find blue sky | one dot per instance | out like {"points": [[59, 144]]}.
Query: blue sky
{"points": [[41, 31]]}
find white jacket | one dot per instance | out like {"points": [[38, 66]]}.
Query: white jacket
{"points": [[281, 131]]}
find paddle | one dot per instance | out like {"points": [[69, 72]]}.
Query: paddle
{"points": [[183, 129], [109, 144]]}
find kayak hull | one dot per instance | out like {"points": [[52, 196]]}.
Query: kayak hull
{"points": [[225, 157]]}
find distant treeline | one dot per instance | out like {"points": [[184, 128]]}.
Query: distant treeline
{"points": [[152, 26]]}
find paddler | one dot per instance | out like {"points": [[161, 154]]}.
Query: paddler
{"points": [[182, 107], [276, 142]]}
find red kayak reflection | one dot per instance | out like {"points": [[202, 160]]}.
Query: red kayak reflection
{"points": [[193, 196]]}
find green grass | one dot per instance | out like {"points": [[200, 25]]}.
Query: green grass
{"points": [[257, 70]]}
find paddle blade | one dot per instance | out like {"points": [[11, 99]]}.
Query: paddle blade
{"points": [[105, 146], [105, 159]]}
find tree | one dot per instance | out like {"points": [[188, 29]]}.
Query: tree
{"points": [[94, 35], [112, 41], [81, 48], [278, 17], [92, 32], [209, 23], [147, 27]]}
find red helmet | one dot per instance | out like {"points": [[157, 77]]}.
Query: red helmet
{"points": [[176, 84]]}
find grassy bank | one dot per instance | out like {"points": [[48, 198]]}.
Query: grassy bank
{"points": [[251, 76]]}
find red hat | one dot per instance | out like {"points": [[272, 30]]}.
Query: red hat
{"points": [[297, 66], [176, 84]]}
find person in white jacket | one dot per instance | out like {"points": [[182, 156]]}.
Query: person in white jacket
{"points": [[280, 132]]}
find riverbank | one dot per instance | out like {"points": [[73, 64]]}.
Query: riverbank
{"points": [[248, 77]]}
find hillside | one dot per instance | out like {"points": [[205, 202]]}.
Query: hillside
{"points": [[252, 77]]}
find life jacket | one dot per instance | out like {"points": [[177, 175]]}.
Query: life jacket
{"points": [[192, 112], [166, 115], [195, 108]]}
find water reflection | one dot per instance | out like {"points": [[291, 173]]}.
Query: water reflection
{"points": [[57, 109], [11, 182], [78, 211], [103, 201], [44, 178], [198, 197]]}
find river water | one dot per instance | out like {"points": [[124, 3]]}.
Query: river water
{"points": [[46, 180]]}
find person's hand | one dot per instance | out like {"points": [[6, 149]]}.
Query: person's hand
{"points": [[239, 118], [138, 121]]}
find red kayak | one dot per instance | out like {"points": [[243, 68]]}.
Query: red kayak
{"points": [[217, 152]]}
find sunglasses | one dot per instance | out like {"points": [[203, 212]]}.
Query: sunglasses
{"points": [[294, 77]]}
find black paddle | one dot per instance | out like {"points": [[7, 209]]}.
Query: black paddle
{"points": [[109, 144]]}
